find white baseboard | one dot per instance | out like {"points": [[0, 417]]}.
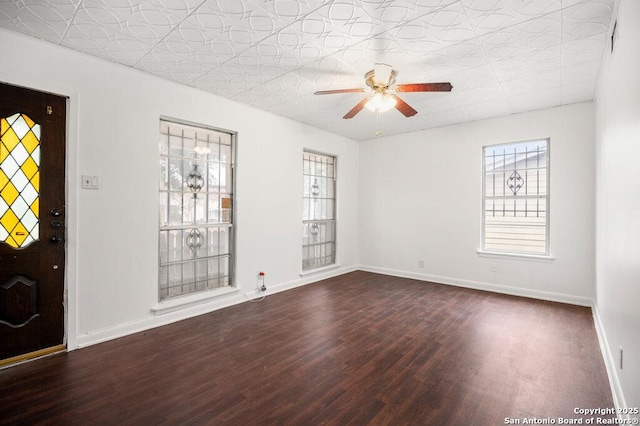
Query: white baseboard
{"points": [[197, 308], [478, 285], [609, 362], [153, 321]]}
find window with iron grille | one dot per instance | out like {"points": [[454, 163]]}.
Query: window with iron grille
{"points": [[516, 198], [196, 198], [318, 211]]}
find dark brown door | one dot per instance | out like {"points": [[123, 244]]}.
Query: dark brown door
{"points": [[32, 220]]}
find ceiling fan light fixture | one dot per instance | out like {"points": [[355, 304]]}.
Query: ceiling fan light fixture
{"points": [[380, 102], [381, 80]]}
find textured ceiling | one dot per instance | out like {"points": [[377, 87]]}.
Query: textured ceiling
{"points": [[502, 56]]}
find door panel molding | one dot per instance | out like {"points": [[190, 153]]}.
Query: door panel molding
{"points": [[18, 301]]}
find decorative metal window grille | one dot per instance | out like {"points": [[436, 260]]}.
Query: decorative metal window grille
{"points": [[196, 215], [516, 198], [319, 210]]}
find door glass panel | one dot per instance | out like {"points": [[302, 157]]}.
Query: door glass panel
{"points": [[19, 180]]}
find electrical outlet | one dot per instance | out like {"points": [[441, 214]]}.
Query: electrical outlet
{"points": [[621, 357], [420, 263], [494, 267]]}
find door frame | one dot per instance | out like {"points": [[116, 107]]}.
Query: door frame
{"points": [[72, 187]]}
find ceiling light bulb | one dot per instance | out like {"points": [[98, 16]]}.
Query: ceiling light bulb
{"points": [[374, 102], [380, 103], [386, 103]]}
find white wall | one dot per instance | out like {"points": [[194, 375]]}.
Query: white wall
{"points": [[420, 199], [112, 233], [618, 203]]}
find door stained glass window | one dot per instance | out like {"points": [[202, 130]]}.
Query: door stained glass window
{"points": [[19, 180]]}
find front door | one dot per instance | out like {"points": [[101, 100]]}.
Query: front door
{"points": [[32, 221]]}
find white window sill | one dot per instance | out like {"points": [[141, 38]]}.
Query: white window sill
{"points": [[516, 256], [319, 270], [182, 302]]}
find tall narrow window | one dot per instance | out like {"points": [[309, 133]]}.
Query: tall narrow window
{"points": [[319, 210], [516, 198], [196, 199]]}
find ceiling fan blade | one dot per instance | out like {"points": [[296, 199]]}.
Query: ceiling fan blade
{"points": [[424, 87], [382, 74], [404, 107], [356, 109], [331, 92]]}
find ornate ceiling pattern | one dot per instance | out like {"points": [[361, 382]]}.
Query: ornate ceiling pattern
{"points": [[501, 56]]}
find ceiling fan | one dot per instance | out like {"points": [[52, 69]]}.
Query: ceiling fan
{"points": [[381, 80]]}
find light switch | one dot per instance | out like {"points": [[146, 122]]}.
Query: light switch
{"points": [[90, 182]]}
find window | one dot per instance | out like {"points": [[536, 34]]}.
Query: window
{"points": [[196, 215], [319, 210], [516, 198]]}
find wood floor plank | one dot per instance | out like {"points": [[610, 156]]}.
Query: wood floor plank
{"points": [[360, 348]]}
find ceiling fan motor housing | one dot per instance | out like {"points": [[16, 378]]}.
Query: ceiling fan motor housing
{"points": [[369, 79]]}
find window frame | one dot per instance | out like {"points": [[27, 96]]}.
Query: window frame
{"points": [[333, 221], [483, 251], [231, 225]]}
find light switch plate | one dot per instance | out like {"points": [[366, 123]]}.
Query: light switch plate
{"points": [[90, 182]]}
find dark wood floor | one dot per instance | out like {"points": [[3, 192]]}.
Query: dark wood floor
{"points": [[358, 349]]}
